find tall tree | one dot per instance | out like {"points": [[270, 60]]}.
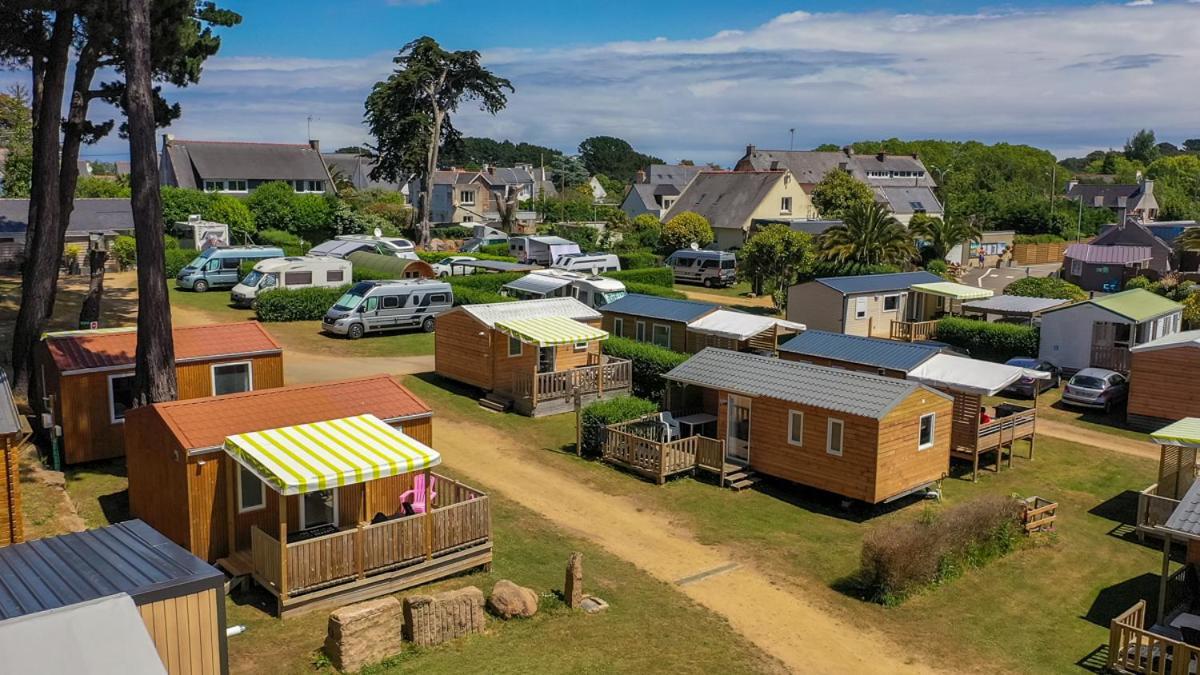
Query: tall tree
{"points": [[16, 138], [409, 113], [837, 192], [777, 255], [1142, 147], [869, 235], [940, 236], [613, 157]]}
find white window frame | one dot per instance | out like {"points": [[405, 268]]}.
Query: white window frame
{"points": [[654, 328], [262, 489], [581, 346], [466, 197], [112, 408], [860, 303], [885, 299], [618, 326], [212, 374], [640, 331], [829, 437], [932, 431], [224, 186], [785, 205], [305, 187], [793, 415], [336, 510], [1076, 267], [520, 347]]}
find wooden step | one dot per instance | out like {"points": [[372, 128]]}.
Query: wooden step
{"points": [[495, 402], [740, 478]]}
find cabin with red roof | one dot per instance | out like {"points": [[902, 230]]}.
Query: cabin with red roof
{"points": [[87, 377]]}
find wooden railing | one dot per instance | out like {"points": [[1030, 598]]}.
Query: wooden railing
{"points": [[321, 561], [1039, 514], [1005, 430], [388, 544], [912, 331], [1111, 357], [1133, 649], [636, 446], [264, 553], [1152, 509], [462, 524], [614, 374]]}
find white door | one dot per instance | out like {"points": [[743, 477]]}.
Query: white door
{"points": [[737, 435]]}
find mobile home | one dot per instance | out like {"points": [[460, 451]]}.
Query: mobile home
{"points": [[1164, 380], [373, 306], [540, 250], [290, 273], [858, 305], [1100, 332], [593, 291], [13, 433]]}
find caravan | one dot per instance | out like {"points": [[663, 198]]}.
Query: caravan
{"points": [[711, 268], [540, 250], [289, 273], [593, 291], [594, 263], [371, 306]]}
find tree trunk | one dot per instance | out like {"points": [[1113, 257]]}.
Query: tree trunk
{"points": [[72, 131], [45, 235], [431, 158], [154, 364], [89, 313]]}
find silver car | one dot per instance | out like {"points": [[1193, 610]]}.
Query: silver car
{"points": [[1096, 388]]}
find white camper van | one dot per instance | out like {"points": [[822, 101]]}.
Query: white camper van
{"points": [[291, 272], [540, 250], [595, 263], [593, 291]]}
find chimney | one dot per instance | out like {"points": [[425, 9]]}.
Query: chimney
{"points": [[491, 170], [848, 150], [167, 138], [750, 150], [641, 176], [881, 156], [314, 144]]}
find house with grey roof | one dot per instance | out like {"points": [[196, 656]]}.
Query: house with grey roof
{"points": [[105, 218], [239, 168], [656, 188], [462, 196], [1104, 268], [1135, 200], [857, 435], [356, 169], [732, 201], [856, 305]]}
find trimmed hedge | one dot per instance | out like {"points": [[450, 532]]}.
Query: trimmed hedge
{"points": [[651, 289], [434, 256], [990, 341], [1046, 287], [450, 232], [290, 243], [655, 276], [650, 363], [603, 413], [498, 250], [479, 289], [301, 304], [638, 260], [177, 259]]}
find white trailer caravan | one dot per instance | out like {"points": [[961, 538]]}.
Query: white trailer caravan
{"points": [[291, 272], [593, 291], [540, 250]]}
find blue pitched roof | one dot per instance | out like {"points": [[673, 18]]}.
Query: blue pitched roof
{"points": [[877, 352], [654, 307], [878, 283]]}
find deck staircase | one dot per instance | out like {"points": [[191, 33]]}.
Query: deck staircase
{"points": [[496, 402], [239, 567], [740, 477]]}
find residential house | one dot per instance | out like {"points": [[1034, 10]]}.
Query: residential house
{"points": [[239, 168], [861, 436], [461, 196], [732, 200], [1101, 331], [656, 188], [1104, 268], [89, 376], [531, 355], [1125, 201], [857, 305], [103, 218], [14, 431], [1158, 237], [1164, 380], [688, 326], [356, 169]]}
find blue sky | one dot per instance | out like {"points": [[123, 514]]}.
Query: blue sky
{"points": [[696, 80]]}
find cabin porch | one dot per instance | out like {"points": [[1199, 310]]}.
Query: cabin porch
{"points": [[927, 303], [1177, 472], [647, 446], [972, 439]]}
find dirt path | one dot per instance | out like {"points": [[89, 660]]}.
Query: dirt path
{"points": [[1099, 439], [300, 367], [794, 629], [718, 299]]}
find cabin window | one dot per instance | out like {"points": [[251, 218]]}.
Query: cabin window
{"points": [[925, 436], [251, 492], [640, 330], [796, 428], [120, 396], [891, 303], [318, 508], [833, 437], [334, 275], [662, 335], [231, 378], [298, 278], [514, 347], [860, 308], [618, 327], [581, 346]]}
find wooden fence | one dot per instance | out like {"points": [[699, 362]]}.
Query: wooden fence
{"points": [[913, 331], [1039, 514], [1153, 510], [1039, 254], [613, 375], [634, 445], [322, 561], [1133, 649]]}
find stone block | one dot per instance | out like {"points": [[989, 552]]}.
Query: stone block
{"points": [[573, 584], [364, 633], [434, 619]]}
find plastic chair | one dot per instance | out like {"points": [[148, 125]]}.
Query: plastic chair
{"points": [[415, 497], [671, 424]]}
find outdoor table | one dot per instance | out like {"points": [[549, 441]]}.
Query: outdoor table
{"points": [[692, 422]]}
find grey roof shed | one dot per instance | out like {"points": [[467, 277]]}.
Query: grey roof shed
{"points": [[654, 307], [868, 351]]}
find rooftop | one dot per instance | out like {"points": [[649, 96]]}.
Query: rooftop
{"points": [[10, 419], [202, 160], [75, 351], [1108, 255], [878, 283], [868, 351], [89, 215], [570, 308], [1137, 304], [1014, 304], [1186, 516], [654, 307], [1187, 338], [726, 198]]}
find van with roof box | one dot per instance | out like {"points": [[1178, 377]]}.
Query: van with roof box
{"points": [[222, 267], [373, 306], [711, 268]]}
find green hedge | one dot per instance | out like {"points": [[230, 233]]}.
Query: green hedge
{"points": [[1037, 239], [603, 413], [650, 362], [1045, 287], [450, 232], [498, 250], [638, 260], [301, 304], [434, 256], [479, 289], [177, 259], [290, 243], [655, 276], [990, 341], [651, 289]]}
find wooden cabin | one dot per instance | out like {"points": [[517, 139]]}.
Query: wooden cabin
{"points": [[13, 434], [649, 318], [1177, 469], [158, 603], [740, 332], [929, 302], [1164, 380], [865, 437], [88, 376], [530, 355], [310, 484], [1100, 332], [866, 304], [890, 358]]}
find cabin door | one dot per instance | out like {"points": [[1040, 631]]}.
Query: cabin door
{"points": [[546, 357], [737, 435]]}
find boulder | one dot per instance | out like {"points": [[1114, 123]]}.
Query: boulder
{"points": [[509, 600], [434, 619], [364, 633], [573, 584]]}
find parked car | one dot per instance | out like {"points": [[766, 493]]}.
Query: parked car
{"points": [[711, 268], [342, 248], [222, 267], [446, 266], [594, 263], [291, 272], [1026, 385], [1096, 388], [372, 306]]}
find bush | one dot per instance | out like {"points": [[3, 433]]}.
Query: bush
{"points": [[178, 258], [90, 187], [301, 304], [830, 268], [124, 251], [600, 414], [654, 276], [638, 259], [900, 559], [990, 341], [938, 267], [314, 216], [651, 289], [434, 256], [496, 250], [1138, 282], [650, 363], [274, 206], [231, 211], [479, 289], [290, 243], [451, 232], [1037, 239], [1045, 287], [684, 230]]}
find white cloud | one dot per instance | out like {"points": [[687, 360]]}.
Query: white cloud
{"points": [[1067, 79], [1141, 3]]}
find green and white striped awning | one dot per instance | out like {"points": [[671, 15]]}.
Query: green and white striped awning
{"points": [[949, 289], [1185, 432], [323, 455], [548, 331]]}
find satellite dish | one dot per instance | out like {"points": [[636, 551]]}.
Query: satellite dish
{"points": [[378, 233], [695, 246]]}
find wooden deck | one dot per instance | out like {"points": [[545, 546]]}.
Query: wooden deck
{"points": [[970, 440], [1153, 510], [913, 331], [541, 394], [635, 446], [1132, 648]]}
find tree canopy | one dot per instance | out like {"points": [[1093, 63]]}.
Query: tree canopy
{"points": [[868, 235], [779, 256], [837, 192], [613, 157], [686, 229], [472, 151]]}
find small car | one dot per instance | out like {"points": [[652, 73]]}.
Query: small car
{"points": [[445, 267], [1026, 385], [1096, 388]]}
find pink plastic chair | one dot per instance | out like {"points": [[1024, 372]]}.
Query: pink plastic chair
{"points": [[416, 496]]}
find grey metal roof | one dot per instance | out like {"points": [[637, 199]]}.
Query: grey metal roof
{"points": [[1186, 517], [654, 307], [1108, 255], [129, 557], [1014, 304], [89, 215], [1110, 196], [878, 283], [571, 308], [10, 419], [907, 200], [678, 175], [538, 283], [868, 351], [844, 391], [644, 193], [726, 198], [210, 160]]}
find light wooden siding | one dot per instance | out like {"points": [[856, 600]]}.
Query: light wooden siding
{"points": [[876, 322], [187, 633], [902, 466], [697, 342], [679, 334], [195, 379], [504, 366], [1164, 384], [847, 365], [12, 530], [156, 466], [462, 349], [420, 429]]}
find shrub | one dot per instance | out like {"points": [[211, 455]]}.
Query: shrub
{"points": [[301, 304], [231, 211], [990, 341], [124, 251], [451, 232], [434, 256], [179, 203], [638, 259], [290, 243], [1138, 282], [900, 559], [1037, 239], [495, 249], [1045, 287], [654, 276], [274, 206], [588, 238], [90, 187], [832, 268], [478, 289], [938, 267], [651, 289], [314, 216], [650, 363], [684, 230], [603, 413], [178, 258]]}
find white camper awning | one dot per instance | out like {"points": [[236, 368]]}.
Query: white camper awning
{"points": [[970, 376], [739, 325]]}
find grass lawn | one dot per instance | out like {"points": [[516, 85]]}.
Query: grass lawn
{"points": [[1050, 405], [99, 491], [738, 290]]}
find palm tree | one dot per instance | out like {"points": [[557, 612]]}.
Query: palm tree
{"points": [[940, 236], [1188, 240], [868, 235]]}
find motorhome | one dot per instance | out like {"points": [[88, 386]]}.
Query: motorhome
{"points": [[372, 306], [397, 246], [596, 263], [593, 291], [342, 248], [290, 273], [221, 267], [711, 268], [540, 250]]}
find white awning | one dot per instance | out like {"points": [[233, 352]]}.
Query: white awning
{"points": [[739, 325], [970, 376]]}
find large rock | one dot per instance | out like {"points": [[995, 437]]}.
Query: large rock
{"points": [[509, 600], [573, 584], [364, 633], [434, 619]]}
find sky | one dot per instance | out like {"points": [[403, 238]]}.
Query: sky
{"points": [[701, 79]]}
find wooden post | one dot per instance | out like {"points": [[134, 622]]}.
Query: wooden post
{"points": [[600, 381], [230, 503], [1037, 390], [578, 421], [360, 537], [1162, 583], [533, 387], [283, 551], [428, 515]]}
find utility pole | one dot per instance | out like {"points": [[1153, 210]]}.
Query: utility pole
{"points": [[792, 140]]}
